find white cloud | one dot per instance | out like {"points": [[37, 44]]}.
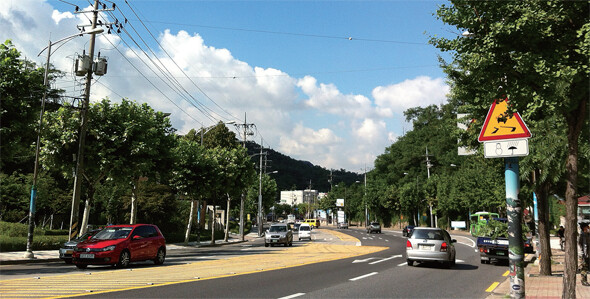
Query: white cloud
{"points": [[421, 91]]}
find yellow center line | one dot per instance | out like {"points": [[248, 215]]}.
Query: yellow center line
{"points": [[492, 287], [506, 273]]}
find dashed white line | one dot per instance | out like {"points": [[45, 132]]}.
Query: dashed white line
{"points": [[385, 259], [292, 296], [363, 276]]}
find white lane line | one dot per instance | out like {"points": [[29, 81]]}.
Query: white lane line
{"points": [[385, 259], [363, 276], [292, 296], [402, 264], [472, 245]]}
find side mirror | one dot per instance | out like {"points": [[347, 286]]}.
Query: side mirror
{"points": [[89, 237], [137, 237]]}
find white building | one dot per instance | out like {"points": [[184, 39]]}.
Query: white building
{"points": [[296, 197]]}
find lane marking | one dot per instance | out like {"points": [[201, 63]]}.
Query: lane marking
{"points": [[473, 243], [292, 296], [363, 260], [492, 287], [402, 264], [385, 259], [363, 276], [506, 273]]}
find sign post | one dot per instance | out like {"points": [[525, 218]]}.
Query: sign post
{"points": [[505, 136]]}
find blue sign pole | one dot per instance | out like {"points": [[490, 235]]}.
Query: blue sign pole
{"points": [[516, 245]]}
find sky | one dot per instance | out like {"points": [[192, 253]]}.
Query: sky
{"points": [[322, 81]]}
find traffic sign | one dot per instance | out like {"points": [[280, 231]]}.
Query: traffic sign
{"points": [[501, 125], [506, 148]]}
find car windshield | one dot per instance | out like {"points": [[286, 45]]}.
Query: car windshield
{"points": [[111, 233], [375, 224], [427, 234], [277, 229], [304, 228]]}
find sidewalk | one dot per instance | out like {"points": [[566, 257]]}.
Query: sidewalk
{"points": [[41, 256], [537, 287]]}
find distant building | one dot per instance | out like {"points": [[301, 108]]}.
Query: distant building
{"points": [[296, 197]]}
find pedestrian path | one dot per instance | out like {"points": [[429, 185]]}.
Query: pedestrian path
{"points": [[543, 287]]}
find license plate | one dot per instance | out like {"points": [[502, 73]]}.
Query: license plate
{"points": [[425, 247], [86, 256], [500, 253], [274, 241], [68, 251]]}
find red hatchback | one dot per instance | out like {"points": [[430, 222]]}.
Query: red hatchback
{"points": [[121, 244]]}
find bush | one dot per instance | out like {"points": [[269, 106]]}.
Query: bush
{"points": [[178, 237], [40, 242], [234, 227]]}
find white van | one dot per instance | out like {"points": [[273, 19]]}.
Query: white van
{"points": [[304, 231]]}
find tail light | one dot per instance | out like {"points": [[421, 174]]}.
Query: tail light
{"points": [[443, 247], [408, 244]]}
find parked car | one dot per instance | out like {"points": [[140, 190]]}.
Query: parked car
{"points": [[278, 233], [427, 244], [407, 231], [343, 224], [374, 227], [65, 253], [121, 244], [296, 226], [304, 231]]}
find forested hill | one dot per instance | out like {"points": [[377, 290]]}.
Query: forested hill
{"points": [[296, 175]]}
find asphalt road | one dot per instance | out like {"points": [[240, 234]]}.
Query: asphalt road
{"points": [[383, 274]]}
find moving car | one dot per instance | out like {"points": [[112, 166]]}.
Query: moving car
{"points": [[374, 227], [304, 231], [428, 244], [121, 244], [278, 233], [314, 223], [296, 226], [407, 231], [65, 253], [343, 224]]}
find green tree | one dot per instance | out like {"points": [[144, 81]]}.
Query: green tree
{"points": [[535, 53]]}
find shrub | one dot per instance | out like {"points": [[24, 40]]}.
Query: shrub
{"points": [[39, 243]]}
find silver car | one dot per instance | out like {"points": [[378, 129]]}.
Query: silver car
{"points": [[430, 245], [279, 233]]}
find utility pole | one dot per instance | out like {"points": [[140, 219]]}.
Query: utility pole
{"points": [[79, 174], [428, 165], [260, 194], [246, 126]]}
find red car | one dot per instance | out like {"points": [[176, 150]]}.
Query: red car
{"points": [[121, 244]]}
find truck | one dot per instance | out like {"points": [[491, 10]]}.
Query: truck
{"points": [[342, 220], [492, 243], [291, 218]]}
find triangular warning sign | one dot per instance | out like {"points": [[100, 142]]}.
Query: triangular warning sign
{"points": [[500, 125]]}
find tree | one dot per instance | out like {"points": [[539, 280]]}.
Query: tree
{"points": [[535, 53]]}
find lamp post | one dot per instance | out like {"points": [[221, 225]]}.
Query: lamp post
{"points": [[29, 252]]}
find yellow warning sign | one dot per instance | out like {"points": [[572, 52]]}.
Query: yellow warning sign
{"points": [[500, 124]]}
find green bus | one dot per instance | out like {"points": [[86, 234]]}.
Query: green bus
{"points": [[479, 220]]}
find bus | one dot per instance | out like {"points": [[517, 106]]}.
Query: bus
{"points": [[479, 220]]}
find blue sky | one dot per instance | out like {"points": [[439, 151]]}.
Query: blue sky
{"points": [[324, 81]]}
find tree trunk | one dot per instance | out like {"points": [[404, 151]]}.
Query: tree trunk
{"points": [[133, 216], [190, 222], [213, 226], [575, 121], [226, 238], [543, 233]]}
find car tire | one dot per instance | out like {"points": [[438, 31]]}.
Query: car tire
{"points": [[410, 263], [68, 261], [160, 256], [124, 259], [272, 245], [81, 266], [266, 244]]}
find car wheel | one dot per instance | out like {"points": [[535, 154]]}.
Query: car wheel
{"points": [[410, 263], [68, 261], [266, 245], [160, 257], [272, 245], [81, 266], [124, 259]]}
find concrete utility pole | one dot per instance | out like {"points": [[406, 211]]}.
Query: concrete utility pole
{"points": [[246, 126], [428, 165], [79, 174]]}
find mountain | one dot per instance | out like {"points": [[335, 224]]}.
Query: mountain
{"points": [[296, 174]]}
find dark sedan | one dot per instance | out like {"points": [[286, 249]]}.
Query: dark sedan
{"points": [[407, 231]]}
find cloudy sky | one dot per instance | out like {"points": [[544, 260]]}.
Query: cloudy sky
{"points": [[323, 81]]}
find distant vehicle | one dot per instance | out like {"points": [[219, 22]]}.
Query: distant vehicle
{"points": [[278, 233], [314, 223], [342, 224], [65, 253], [296, 226], [290, 218], [374, 227], [304, 231], [121, 244], [407, 231], [496, 249], [479, 220], [428, 244]]}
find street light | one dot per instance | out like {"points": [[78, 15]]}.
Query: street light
{"points": [[29, 253]]}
